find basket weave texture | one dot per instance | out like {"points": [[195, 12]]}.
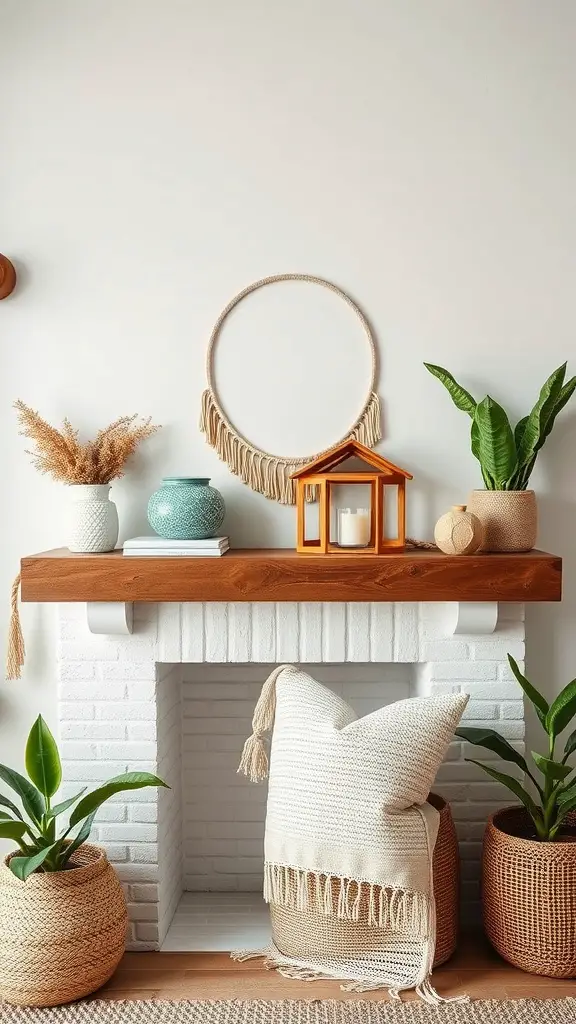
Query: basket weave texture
{"points": [[529, 896], [509, 518], [303, 934], [61, 934]]}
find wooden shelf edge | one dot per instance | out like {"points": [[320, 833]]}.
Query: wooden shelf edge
{"points": [[282, 575]]}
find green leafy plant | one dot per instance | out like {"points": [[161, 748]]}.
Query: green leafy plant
{"points": [[34, 827], [507, 456], [556, 791]]}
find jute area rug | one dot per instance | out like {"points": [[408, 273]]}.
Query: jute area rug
{"points": [[521, 1011]]}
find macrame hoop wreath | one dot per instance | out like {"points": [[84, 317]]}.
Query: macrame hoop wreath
{"points": [[270, 474]]}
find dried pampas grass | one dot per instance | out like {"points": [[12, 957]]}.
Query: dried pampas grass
{"points": [[60, 454]]}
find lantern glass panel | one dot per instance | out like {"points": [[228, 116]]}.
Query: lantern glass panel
{"points": [[390, 512], [350, 506]]}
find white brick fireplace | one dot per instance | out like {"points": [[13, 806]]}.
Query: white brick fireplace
{"points": [[176, 698]]}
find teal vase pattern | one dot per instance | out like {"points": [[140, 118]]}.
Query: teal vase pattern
{"points": [[186, 508]]}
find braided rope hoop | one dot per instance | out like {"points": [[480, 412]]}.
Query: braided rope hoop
{"points": [[264, 472]]}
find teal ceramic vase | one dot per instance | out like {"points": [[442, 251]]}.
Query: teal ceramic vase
{"points": [[186, 508]]}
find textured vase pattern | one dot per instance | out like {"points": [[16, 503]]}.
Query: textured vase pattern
{"points": [[186, 508], [61, 933], [509, 518], [458, 532], [93, 519]]}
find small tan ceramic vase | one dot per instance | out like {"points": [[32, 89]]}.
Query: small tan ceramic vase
{"points": [[458, 532], [509, 518]]}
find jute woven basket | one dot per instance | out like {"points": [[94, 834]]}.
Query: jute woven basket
{"points": [[529, 895], [303, 934], [509, 519], [62, 933]]}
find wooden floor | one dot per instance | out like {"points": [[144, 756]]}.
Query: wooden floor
{"points": [[474, 969]]}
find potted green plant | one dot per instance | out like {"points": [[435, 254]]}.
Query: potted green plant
{"points": [[529, 854], [506, 508], [62, 909]]}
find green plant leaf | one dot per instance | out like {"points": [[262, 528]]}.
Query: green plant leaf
{"points": [[462, 399], [564, 398], [535, 430], [562, 710], [495, 441], [120, 783], [70, 849], [5, 802], [570, 745], [519, 431], [567, 792], [62, 807], [12, 830], [5, 817], [42, 759], [22, 867], [493, 741], [540, 703], [512, 784], [29, 795], [564, 808], [554, 770]]}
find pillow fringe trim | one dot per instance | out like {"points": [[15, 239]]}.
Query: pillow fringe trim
{"points": [[396, 910]]}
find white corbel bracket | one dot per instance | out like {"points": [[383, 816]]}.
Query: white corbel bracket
{"points": [[472, 617], [111, 617]]}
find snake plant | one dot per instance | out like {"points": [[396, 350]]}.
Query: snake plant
{"points": [[556, 791], [507, 456], [34, 828]]}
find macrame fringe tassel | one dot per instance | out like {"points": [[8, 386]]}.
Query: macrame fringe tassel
{"points": [[16, 649], [344, 898], [265, 473], [254, 760], [428, 993]]}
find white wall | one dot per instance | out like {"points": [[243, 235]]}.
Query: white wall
{"points": [[155, 158]]}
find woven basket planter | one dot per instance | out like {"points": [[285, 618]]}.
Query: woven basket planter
{"points": [[509, 519], [529, 895], [62, 933], [300, 933]]}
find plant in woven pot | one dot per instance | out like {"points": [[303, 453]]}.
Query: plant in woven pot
{"points": [[529, 855], [506, 508], [62, 908]]}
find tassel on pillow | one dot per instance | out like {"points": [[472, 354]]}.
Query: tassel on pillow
{"points": [[254, 760]]}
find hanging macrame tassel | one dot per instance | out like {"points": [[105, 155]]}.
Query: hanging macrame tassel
{"points": [[254, 760], [16, 649]]}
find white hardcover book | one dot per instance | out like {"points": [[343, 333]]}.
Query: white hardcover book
{"points": [[163, 542], [148, 553]]}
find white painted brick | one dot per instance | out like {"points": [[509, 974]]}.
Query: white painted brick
{"points": [[464, 672], [128, 750], [473, 830], [97, 690], [511, 730], [310, 635], [130, 649], [511, 611], [496, 650], [143, 893], [143, 813], [436, 689], [137, 872], [111, 812], [77, 711], [92, 731], [144, 853], [77, 750], [143, 671], [287, 632], [493, 691], [381, 632], [506, 673], [140, 731], [406, 628], [445, 650], [334, 631], [143, 911], [141, 691], [92, 771], [215, 632], [358, 631], [474, 811], [264, 632], [88, 650], [512, 709], [169, 647], [470, 851], [116, 853], [76, 671], [133, 710], [129, 832], [479, 711], [146, 932]]}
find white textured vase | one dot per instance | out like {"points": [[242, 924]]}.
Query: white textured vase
{"points": [[93, 518]]}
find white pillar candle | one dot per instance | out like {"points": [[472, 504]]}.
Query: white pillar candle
{"points": [[353, 527]]}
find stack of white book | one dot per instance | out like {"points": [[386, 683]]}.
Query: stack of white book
{"points": [[158, 547]]}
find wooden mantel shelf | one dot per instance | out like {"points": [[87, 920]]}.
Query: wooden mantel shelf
{"points": [[282, 575]]}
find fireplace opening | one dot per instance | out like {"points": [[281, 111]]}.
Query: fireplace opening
{"points": [[211, 821]]}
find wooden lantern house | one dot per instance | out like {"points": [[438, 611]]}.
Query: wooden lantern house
{"points": [[349, 530]]}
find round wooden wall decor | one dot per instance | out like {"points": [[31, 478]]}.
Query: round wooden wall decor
{"points": [[270, 474], [7, 277]]}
